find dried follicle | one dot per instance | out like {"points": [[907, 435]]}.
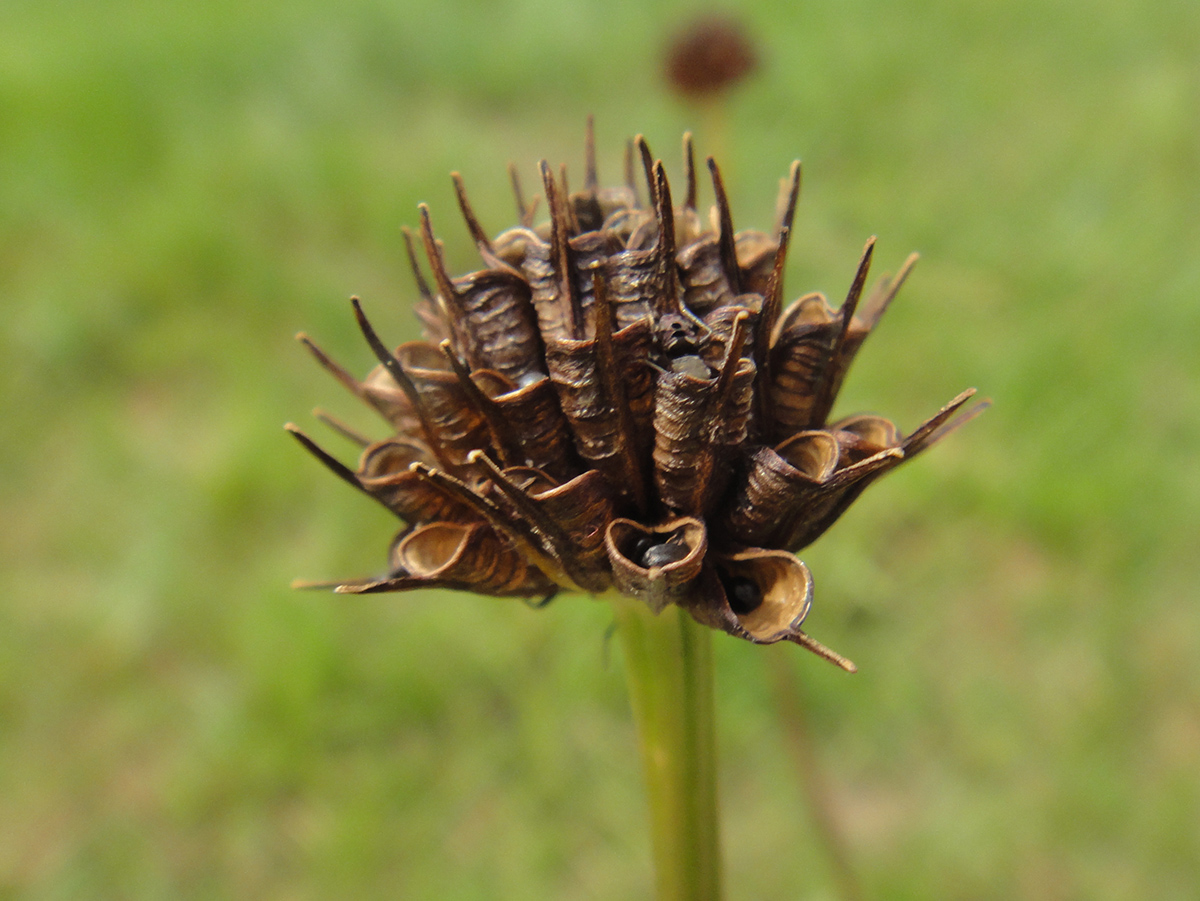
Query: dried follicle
{"points": [[770, 592], [657, 564], [619, 401]]}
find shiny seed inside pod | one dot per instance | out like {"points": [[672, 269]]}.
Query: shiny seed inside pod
{"points": [[647, 553], [743, 594]]}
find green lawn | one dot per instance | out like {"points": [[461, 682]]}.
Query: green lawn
{"points": [[183, 190]]}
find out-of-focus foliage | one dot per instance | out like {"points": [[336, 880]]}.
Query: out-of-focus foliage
{"points": [[184, 187]]}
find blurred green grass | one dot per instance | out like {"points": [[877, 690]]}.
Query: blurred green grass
{"points": [[182, 189]]}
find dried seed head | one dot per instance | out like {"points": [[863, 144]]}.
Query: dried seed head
{"points": [[708, 56], [615, 402]]}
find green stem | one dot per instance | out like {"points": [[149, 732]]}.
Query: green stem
{"points": [[668, 661]]}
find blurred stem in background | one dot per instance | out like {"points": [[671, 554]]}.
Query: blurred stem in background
{"points": [[790, 700], [668, 662]]}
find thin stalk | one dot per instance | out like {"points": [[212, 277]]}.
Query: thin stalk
{"points": [[668, 661], [790, 699]]}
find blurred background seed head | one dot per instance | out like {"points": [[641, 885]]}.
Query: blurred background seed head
{"points": [[709, 55], [182, 189]]}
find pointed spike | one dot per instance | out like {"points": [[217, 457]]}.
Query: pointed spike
{"points": [[856, 287], [733, 356], [522, 210], [396, 371], [647, 167], [518, 532], [381, 586], [459, 490], [341, 428], [773, 302], [949, 426], [689, 168], [434, 254], [613, 386], [670, 301], [925, 433], [767, 318], [336, 466], [883, 295], [792, 189], [876, 464], [410, 251], [559, 541], [531, 213], [483, 404], [313, 584], [591, 179], [327, 363], [560, 251], [385, 356], [445, 302], [826, 385], [565, 197], [666, 214], [807, 641], [725, 238], [551, 188], [477, 233], [850, 304]]}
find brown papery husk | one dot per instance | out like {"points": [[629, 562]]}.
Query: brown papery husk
{"points": [[786, 588], [706, 285], [720, 323], [588, 251], [380, 390], [383, 472], [535, 428], [756, 253], [634, 281], [858, 436], [692, 434], [835, 496], [512, 244], [497, 322], [800, 353], [554, 315], [656, 586], [465, 554], [776, 487], [592, 415], [457, 425], [578, 513]]}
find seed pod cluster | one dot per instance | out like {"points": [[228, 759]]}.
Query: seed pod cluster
{"points": [[618, 400]]}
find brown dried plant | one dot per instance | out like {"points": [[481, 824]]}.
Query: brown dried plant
{"points": [[619, 401], [708, 56]]}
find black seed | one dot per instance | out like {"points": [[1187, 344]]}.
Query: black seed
{"points": [[743, 594], [662, 554], [637, 548]]}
